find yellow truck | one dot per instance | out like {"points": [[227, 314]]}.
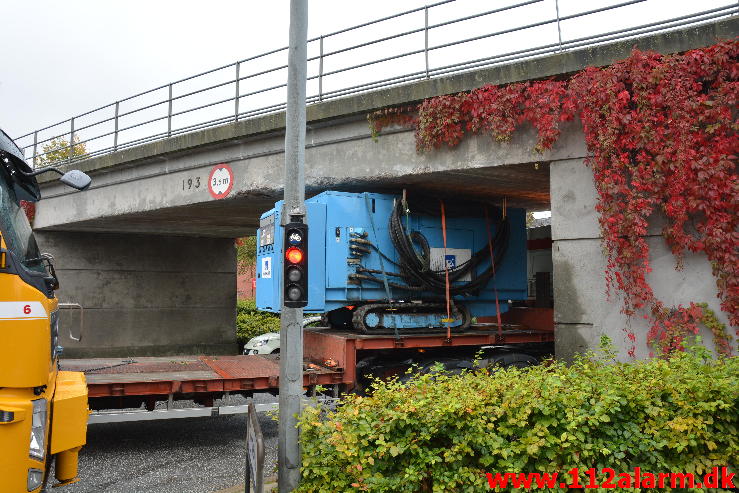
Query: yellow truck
{"points": [[43, 411]]}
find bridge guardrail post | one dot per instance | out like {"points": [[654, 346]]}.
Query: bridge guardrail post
{"points": [[236, 105], [426, 38], [320, 68], [115, 131], [35, 146], [71, 139], [169, 112], [559, 29]]}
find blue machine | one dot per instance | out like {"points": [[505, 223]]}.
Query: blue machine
{"points": [[377, 263]]}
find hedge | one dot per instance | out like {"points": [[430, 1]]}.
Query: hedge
{"points": [[441, 432], [250, 322]]}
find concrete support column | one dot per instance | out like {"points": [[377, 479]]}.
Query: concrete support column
{"points": [[582, 311], [145, 295]]}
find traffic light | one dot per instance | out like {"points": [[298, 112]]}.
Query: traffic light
{"points": [[295, 275]]}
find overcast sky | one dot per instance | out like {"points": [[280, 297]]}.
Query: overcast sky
{"points": [[62, 58]]}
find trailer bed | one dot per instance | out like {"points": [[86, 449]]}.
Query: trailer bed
{"points": [[342, 347], [330, 360], [148, 376]]}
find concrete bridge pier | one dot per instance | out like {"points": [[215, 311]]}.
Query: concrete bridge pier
{"points": [[143, 294], [583, 311]]}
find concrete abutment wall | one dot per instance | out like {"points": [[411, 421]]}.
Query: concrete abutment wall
{"points": [[582, 310], [145, 295]]}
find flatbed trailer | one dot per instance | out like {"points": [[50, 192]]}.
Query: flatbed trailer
{"points": [[332, 360]]}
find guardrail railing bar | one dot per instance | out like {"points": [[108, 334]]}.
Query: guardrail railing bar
{"points": [[575, 43], [322, 95], [455, 20], [266, 89], [261, 55], [206, 105], [482, 14], [429, 27], [535, 24], [376, 61], [544, 49], [644, 30], [276, 50], [483, 36], [661, 25], [63, 122], [382, 19], [264, 72]]}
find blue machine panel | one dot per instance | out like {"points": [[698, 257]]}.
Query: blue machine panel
{"points": [[334, 218]]}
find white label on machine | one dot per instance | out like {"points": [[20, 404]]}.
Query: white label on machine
{"points": [[266, 267], [454, 257], [15, 310]]}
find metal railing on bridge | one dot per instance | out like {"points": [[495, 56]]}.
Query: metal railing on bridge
{"points": [[255, 86]]}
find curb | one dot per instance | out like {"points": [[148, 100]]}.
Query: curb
{"points": [[270, 485]]}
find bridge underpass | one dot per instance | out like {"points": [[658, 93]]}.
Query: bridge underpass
{"points": [[149, 251]]}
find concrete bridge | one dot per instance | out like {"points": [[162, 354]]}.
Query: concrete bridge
{"points": [[149, 249]]}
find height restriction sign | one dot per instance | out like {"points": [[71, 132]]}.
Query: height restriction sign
{"points": [[220, 181]]}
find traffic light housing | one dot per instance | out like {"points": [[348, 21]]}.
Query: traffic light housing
{"points": [[295, 273]]}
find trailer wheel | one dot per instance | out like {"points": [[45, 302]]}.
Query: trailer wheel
{"points": [[449, 366], [518, 360]]}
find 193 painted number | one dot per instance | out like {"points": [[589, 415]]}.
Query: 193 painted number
{"points": [[191, 183]]}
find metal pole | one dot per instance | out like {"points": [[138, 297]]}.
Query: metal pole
{"points": [[35, 146], [320, 69], [247, 469], [426, 37], [236, 105], [291, 331], [169, 113], [71, 139], [559, 30], [115, 133]]}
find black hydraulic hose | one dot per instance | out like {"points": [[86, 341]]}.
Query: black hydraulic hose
{"points": [[415, 268], [367, 277]]}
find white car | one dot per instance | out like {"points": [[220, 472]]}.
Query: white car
{"points": [[263, 344], [269, 343]]}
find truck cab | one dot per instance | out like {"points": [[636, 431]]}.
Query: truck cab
{"points": [[43, 410]]}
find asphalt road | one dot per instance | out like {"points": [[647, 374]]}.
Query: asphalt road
{"points": [[171, 456]]}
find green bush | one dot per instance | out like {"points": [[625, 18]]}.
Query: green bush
{"points": [[250, 322], [443, 433]]}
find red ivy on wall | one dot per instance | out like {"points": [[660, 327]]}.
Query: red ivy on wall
{"points": [[30, 209], [662, 131]]}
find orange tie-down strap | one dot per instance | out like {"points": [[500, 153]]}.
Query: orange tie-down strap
{"points": [[448, 319], [492, 262]]}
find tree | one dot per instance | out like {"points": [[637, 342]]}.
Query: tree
{"points": [[246, 253], [58, 151]]}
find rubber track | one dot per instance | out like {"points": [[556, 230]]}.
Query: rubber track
{"points": [[358, 318]]}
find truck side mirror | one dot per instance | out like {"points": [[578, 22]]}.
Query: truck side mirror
{"points": [[76, 179]]}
